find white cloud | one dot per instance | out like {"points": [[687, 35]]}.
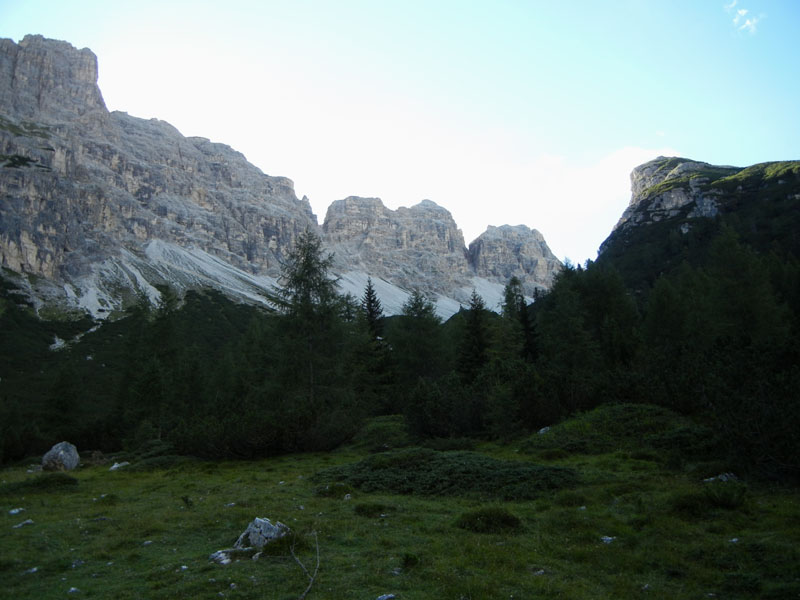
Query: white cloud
{"points": [[741, 21], [750, 24]]}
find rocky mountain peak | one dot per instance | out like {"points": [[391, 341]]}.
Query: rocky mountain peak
{"points": [[47, 78], [506, 251], [98, 207]]}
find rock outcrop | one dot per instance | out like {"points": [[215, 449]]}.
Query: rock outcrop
{"points": [[514, 251], [666, 187], [422, 247], [419, 246], [675, 192], [99, 208], [61, 457]]}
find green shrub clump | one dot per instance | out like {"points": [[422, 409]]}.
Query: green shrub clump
{"points": [[491, 519], [428, 472]]}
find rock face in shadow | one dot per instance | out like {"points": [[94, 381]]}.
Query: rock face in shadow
{"points": [[100, 207]]}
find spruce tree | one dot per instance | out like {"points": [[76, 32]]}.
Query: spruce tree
{"points": [[473, 353], [373, 311]]}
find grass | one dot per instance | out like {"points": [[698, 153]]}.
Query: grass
{"points": [[630, 525]]}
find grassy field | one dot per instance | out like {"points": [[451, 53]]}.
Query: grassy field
{"points": [[585, 510]]}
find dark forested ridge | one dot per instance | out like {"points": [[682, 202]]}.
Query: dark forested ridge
{"points": [[701, 320]]}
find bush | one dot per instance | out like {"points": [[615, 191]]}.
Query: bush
{"points": [[383, 433], [716, 495], [42, 483], [640, 428], [333, 490], [493, 519], [427, 472], [370, 509]]}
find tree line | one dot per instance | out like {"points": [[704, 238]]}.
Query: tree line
{"points": [[717, 340]]}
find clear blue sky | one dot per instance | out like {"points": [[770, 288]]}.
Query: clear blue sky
{"points": [[500, 111]]}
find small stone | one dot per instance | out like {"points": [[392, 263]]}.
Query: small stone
{"points": [[184, 567], [119, 465], [734, 540], [386, 597], [15, 511], [147, 542], [348, 497], [540, 572], [220, 557], [32, 570], [230, 504], [607, 539], [25, 522], [543, 430], [73, 590]]}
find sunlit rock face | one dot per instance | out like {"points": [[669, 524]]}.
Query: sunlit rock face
{"points": [[514, 251], [664, 187], [101, 186], [422, 247], [418, 247], [98, 207]]}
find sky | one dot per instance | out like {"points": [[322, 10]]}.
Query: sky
{"points": [[501, 111]]}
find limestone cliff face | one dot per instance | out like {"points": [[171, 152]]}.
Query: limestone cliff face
{"points": [[677, 191], [98, 183], [417, 247], [422, 247], [508, 251], [667, 187], [96, 207]]}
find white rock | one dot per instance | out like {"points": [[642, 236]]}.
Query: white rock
{"points": [[61, 457], [15, 511], [25, 522], [607, 539], [117, 465], [261, 532]]}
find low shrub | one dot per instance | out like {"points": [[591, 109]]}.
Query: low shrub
{"points": [[383, 433], [370, 509], [333, 490], [714, 496], [42, 483], [427, 472], [451, 443], [154, 463], [491, 519], [651, 431]]}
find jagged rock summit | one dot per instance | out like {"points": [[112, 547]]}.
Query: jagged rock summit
{"points": [[98, 207]]}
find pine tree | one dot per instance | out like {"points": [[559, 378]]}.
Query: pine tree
{"points": [[473, 353], [373, 311]]}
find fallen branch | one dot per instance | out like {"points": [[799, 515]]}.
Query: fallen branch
{"points": [[311, 578]]}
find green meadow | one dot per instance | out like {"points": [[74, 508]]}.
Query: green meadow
{"points": [[612, 503]]}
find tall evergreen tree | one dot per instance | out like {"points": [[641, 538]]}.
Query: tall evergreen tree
{"points": [[473, 352], [373, 311]]}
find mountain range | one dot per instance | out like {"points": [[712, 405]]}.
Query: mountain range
{"points": [[101, 207], [98, 208]]}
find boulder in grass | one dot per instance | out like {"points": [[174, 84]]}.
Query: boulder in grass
{"points": [[61, 457], [261, 532]]}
